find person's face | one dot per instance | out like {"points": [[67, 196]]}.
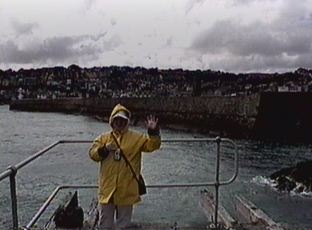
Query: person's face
{"points": [[119, 124]]}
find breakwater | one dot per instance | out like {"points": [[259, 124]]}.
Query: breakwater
{"points": [[224, 115], [284, 116]]}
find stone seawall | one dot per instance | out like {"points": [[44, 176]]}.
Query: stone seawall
{"points": [[284, 117], [234, 116]]}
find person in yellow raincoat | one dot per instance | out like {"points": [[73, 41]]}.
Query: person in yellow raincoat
{"points": [[118, 189]]}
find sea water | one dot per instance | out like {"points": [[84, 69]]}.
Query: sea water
{"points": [[24, 133]]}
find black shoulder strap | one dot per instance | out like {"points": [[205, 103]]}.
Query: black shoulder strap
{"points": [[123, 155]]}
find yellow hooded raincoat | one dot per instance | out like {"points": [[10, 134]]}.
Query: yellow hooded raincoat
{"points": [[116, 181]]}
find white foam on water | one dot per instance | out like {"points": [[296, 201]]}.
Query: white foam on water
{"points": [[262, 180], [297, 191]]}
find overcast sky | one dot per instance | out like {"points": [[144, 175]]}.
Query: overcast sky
{"points": [[227, 35]]}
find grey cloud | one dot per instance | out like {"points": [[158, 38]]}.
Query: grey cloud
{"points": [[113, 22], [255, 63], [53, 49], [23, 28], [253, 39], [303, 61], [98, 37], [169, 42], [246, 2], [89, 3], [112, 43], [283, 43], [238, 2], [191, 4], [242, 2]]}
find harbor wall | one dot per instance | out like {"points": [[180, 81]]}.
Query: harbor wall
{"points": [[219, 115], [272, 116], [285, 116]]}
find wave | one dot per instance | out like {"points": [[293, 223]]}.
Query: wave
{"points": [[299, 190]]}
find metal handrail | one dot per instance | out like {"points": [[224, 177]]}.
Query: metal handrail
{"points": [[11, 172], [10, 169]]}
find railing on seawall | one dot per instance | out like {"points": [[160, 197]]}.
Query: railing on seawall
{"points": [[11, 173]]}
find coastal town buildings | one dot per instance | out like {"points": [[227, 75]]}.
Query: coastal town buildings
{"points": [[138, 82]]}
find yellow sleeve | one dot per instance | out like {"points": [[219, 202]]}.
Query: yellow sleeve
{"points": [[151, 143], [100, 141]]}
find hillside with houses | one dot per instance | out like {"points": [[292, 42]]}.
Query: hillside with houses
{"points": [[139, 82]]}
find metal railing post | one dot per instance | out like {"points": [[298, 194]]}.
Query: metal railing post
{"points": [[12, 171], [217, 183], [13, 196]]}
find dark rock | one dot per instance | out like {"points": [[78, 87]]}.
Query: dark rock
{"points": [[70, 215], [287, 179], [285, 184], [302, 172]]}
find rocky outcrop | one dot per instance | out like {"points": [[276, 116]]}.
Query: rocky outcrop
{"points": [[297, 178]]}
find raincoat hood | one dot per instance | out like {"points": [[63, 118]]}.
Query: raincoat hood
{"points": [[119, 109]]}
